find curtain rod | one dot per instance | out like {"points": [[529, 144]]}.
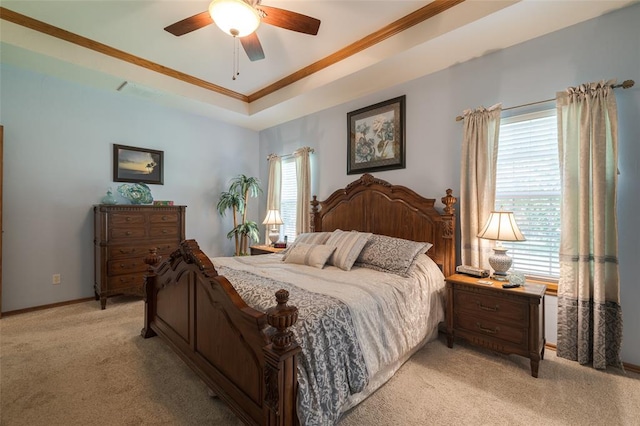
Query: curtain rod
{"points": [[625, 85], [287, 156]]}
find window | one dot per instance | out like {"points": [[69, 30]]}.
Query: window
{"points": [[288, 199], [528, 183]]}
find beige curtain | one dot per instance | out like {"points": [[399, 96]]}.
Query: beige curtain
{"points": [[274, 188], [589, 313], [303, 176], [478, 181]]}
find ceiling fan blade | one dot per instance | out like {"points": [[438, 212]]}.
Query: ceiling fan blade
{"points": [[289, 20], [252, 46], [192, 23]]}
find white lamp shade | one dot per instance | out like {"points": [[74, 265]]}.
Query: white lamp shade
{"points": [[272, 218], [234, 17], [501, 226]]}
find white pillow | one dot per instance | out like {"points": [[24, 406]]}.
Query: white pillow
{"points": [[348, 246], [309, 254], [307, 238]]}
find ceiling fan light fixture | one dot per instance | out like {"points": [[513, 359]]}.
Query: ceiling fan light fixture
{"points": [[234, 17]]}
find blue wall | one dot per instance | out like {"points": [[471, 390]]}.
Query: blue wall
{"points": [[58, 139]]}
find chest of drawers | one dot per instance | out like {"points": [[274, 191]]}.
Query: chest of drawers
{"points": [[510, 321], [123, 236]]}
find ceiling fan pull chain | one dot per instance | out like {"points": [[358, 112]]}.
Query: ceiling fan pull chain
{"points": [[236, 62]]}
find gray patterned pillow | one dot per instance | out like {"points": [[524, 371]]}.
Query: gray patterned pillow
{"points": [[307, 238], [348, 246], [389, 254], [310, 254]]}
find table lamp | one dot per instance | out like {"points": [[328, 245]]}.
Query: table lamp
{"points": [[273, 218], [501, 226]]}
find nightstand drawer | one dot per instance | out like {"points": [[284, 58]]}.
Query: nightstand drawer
{"points": [[497, 308], [515, 333]]}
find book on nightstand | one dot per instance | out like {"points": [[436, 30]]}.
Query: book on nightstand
{"points": [[162, 203]]}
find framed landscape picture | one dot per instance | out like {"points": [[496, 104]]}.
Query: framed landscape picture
{"points": [[376, 137], [138, 165]]}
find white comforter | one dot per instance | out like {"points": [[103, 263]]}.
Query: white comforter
{"points": [[392, 316]]}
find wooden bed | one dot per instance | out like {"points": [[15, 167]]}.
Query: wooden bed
{"points": [[246, 357]]}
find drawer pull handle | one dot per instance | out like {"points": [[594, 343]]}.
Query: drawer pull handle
{"points": [[488, 308], [164, 231], [129, 232], [488, 330], [164, 218], [128, 219]]}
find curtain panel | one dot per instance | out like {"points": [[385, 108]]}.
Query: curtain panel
{"points": [[303, 175], [589, 312], [274, 188], [478, 181]]}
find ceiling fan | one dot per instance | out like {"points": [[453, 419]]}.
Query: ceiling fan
{"points": [[240, 18]]}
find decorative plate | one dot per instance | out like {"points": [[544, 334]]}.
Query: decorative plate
{"points": [[137, 193]]}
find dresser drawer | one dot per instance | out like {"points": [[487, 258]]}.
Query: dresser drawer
{"points": [[163, 231], [126, 266], [495, 307], [121, 282], [127, 218], [125, 234], [123, 252], [164, 218], [513, 333]]}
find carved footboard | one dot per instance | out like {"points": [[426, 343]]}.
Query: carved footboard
{"points": [[230, 345]]}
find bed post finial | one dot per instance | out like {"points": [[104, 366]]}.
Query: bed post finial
{"points": [[152, 259], [314, 214], [449, 200], [281, 317]]}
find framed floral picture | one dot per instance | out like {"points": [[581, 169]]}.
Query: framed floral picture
{"points": [[376, 137], [138, 165]]}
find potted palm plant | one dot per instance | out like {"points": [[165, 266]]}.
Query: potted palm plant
{"points": [[236, 199]]}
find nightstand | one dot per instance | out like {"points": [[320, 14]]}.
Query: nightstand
{"points": [[509, 321], [264, 250]]}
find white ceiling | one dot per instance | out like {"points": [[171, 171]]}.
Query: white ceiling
{"points": [[467, 30]]}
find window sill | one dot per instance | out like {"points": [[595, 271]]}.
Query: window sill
{"points": [[552, 286]]}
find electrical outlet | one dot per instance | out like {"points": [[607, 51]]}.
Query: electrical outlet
{"points": [[55, 279]]}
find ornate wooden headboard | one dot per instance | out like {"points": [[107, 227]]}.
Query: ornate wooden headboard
{"points": [[373, 205]]}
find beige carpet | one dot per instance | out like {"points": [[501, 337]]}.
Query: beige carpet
{"points": [[79, 365]]}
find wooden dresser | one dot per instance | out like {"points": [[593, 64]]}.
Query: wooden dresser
{"points": [[510, 321], [123, 235]]}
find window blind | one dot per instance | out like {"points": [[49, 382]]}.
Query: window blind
{"points": [[288, 199], [528, 183]]}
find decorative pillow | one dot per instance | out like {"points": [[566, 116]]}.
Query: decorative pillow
{"points": [[389, 254], [348, 246], [307, 238], [310, 254]]}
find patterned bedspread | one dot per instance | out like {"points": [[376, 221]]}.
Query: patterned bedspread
{"points": [[352, 325]]}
